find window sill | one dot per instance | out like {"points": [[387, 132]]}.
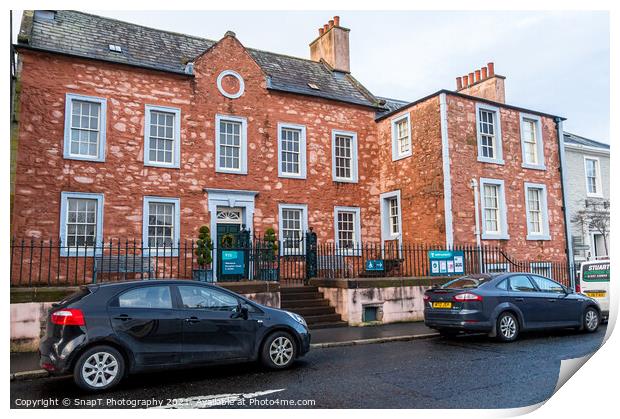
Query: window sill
{"points": [[533, 166], [495, 236], [162, 165], [292, 176], [80, 253], [84, 158], [492, 161], [539, 237], [230, 171], [401, 156], [340, 180], [589, 195]]}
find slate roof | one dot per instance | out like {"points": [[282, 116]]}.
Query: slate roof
{"points": [[390, 105], [578, 140], [86, 35]]}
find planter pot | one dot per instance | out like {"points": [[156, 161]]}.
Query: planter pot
{"points": [[203, 275], [268, 275]]}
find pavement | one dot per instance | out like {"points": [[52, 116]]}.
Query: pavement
{"points": [[26, 364], [462, 372]]}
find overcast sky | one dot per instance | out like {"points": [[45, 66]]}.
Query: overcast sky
{"points": [[556, 62]]}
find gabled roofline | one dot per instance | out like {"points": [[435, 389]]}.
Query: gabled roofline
{"points": [[469, 97]]}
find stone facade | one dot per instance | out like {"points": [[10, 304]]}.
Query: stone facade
{"points": [[42, 173]]}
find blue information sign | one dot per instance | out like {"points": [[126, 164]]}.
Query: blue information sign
{"points": [[232, 262], [375, 265], [446, 262]]}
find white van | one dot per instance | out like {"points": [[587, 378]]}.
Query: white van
{"points": [[594, 282]]}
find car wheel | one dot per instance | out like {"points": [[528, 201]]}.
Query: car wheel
{"points": [[507, 327], [446, 333], [99, 368], [279, 351], [591, 320]]}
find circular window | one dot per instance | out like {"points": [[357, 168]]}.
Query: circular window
{"points": [[230, 84]]}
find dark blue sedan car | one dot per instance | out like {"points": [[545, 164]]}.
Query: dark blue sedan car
{"points": [[503, 305]]}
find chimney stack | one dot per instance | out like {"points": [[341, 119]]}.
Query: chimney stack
{"points": [[483, 83], [332, 46]]}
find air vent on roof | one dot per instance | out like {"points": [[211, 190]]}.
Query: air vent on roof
{"points": [[44, 15], [313, 86], [115, 48]]}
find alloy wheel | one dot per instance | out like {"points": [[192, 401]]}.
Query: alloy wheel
{"points": [[591, 319], [281, 351], [507, 327], [100, 369]]}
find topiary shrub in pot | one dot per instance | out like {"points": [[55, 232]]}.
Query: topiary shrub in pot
{"points": [[204, 252]]}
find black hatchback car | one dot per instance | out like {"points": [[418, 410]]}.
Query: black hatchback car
{"points": [[104, 332], [502, 305]]}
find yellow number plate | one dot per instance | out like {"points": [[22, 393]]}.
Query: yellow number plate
{"points": [[442, 305], [595, 294]]}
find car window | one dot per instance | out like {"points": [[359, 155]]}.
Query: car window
{"points": [[547, 285], [146, 297], [208, 298], [521, 283], [503, 285]]}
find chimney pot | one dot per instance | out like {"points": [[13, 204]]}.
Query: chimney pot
{"points": [[321, 31], [337, 20], [331, 23], [471, 79], [491, 69], [484, 73], [459, 83], [465, 82], [325, 27], [477, 76]]}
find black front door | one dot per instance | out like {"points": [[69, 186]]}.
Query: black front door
{"points": [[232, 263], [213, 330]]}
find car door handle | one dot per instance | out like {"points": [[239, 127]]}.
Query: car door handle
{"points": [[520, 299], [551, 300], [192, 320], [122, 317]]}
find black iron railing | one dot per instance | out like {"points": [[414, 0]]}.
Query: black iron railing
{"points": [[51, 263]]}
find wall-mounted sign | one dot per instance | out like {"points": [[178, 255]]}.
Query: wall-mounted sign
{"points": [[375, 265], [233, 262], [446, 262]]}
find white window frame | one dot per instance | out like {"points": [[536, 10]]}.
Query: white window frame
{"points": [[544, 234], [69, 98], [540, 147], [592, 249], [176, 148], [599, 183], [357, 233], [543, 265], [502, 220], [386, 228], [499, 156], [396, 154], [243, 152], [176, 227], [302, 150], [354, 172], [64, 197], [304, 228]]}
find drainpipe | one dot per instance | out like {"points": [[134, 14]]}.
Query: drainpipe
{"points": [[474, 185], [567, 232]]}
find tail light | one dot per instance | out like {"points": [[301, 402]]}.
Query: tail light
{"points": [[578, 287], [427, 297], [68, 317], [467, 296]]}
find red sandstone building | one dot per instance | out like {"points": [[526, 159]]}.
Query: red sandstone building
{"points": [[128, 131]]}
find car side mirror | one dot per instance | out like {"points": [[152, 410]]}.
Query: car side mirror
{"points": [[241, 311]]}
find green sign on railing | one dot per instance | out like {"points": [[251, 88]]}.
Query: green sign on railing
{"points": [[446, 262]]}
